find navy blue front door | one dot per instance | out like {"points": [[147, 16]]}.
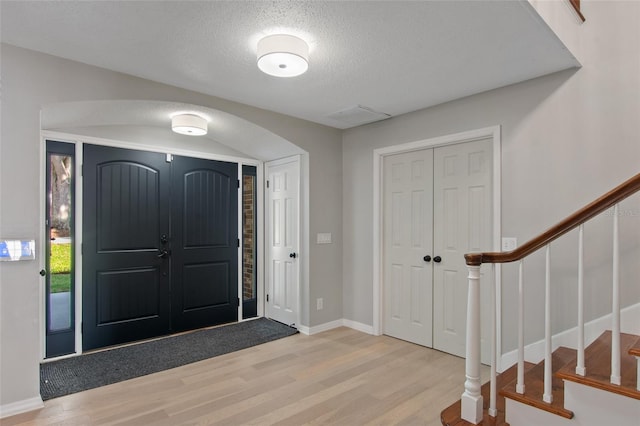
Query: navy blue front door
{"points": [[153, 233]]}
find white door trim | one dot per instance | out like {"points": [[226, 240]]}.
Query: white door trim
{"points": [[378, 156], [302, 251]]}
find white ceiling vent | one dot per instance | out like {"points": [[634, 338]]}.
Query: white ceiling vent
{"points": [[357, 115]]}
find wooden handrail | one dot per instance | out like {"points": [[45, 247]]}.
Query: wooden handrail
{"points": [[591, 210], [576, 7]]}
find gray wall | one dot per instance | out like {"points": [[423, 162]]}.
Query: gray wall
{"points": [[566, 139], [30, 81]]}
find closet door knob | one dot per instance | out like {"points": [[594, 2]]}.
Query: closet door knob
{"points": [[427, 258], [437, 259]]}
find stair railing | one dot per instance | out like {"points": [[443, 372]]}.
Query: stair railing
{"points": [[472, 401]]}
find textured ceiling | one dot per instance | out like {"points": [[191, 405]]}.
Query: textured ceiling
{"points": [[391, 56]]}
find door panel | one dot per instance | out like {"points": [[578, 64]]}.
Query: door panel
{"points": [[408, 183], [125, 212], [462, 218], [204, 243], [282, 265]]}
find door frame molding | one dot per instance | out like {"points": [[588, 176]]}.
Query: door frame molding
{"points": [[303, 252], [79, 140], [493, 132]]}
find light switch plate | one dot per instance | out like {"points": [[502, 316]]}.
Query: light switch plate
{"points": [[323, 238]]}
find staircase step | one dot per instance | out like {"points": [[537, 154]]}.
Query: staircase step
{"points": [[635, 349], [598, 365], [450, 416], [534, 385]]}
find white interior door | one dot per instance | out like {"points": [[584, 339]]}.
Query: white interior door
{"points": [[408, 237], [462, 224], [282, 219], [437, 206]]}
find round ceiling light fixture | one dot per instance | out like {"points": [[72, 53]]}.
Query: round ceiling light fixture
{"points": [[282, 55], [189, 124]]}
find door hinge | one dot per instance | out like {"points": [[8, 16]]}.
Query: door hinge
{"points": [[238, 301], [238, 242], [82, 170], [81, 327], [81, 248], [238, 183], [267, 297], [169, 158], [267, 184]]}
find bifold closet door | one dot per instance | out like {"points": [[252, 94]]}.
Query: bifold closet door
{"points": [[437, 206], [408, 239]]}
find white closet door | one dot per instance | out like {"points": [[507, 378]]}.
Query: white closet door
{"points": [[408, 209], [462, 224]]}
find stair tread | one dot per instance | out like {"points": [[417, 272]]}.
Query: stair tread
{"points": [[635, 349], [598, 366], [450, 416], [534, 385]]}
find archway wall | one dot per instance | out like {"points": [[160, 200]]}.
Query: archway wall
{"points": [[35, 83]]}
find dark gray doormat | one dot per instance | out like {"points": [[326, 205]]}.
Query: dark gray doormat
{"points": [[66, 376]]}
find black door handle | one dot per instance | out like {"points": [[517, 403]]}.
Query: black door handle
{"points": [[164, 253], [42, 272], [437, 259], [293, 255], [427, 258]]}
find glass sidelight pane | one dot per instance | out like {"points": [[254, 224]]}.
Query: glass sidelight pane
{"points": [[60, 259], [59, 220], [249, 279]]}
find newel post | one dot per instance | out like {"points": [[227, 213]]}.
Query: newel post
{"points": [[472, 398]]}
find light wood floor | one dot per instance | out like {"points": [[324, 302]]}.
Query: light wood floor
{"points": [[339, 377]]}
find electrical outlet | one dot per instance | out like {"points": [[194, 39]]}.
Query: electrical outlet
{"points": [[319, 304], [509, 243]]}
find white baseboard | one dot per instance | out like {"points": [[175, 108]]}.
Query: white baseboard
{"points": [[335, 324], [303, 329], [534, 352], [365, 328], [320, 328], [20, 407]]}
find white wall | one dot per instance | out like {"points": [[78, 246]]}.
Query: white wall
{"points": [[31, 81], [566, 139]]}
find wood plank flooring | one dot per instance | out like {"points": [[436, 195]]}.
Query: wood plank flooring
{"points": [[339, 377]]}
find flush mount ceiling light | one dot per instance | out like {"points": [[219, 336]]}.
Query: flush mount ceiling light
{"points": [[283, 55], [189, 124]]}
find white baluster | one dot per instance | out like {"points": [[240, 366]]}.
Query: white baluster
{"points": [[615, 310], [472, 398], [547, 396], [493, 410], [520, 381], [580, 368], [638, 374]]}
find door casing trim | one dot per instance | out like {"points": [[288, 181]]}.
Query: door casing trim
{"points": [[493, 132]]}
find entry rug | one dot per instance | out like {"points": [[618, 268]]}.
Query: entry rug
{"points": [[71, 375]]}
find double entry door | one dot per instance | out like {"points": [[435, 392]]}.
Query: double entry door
{"points": [[160, 244], [437, 207]]}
